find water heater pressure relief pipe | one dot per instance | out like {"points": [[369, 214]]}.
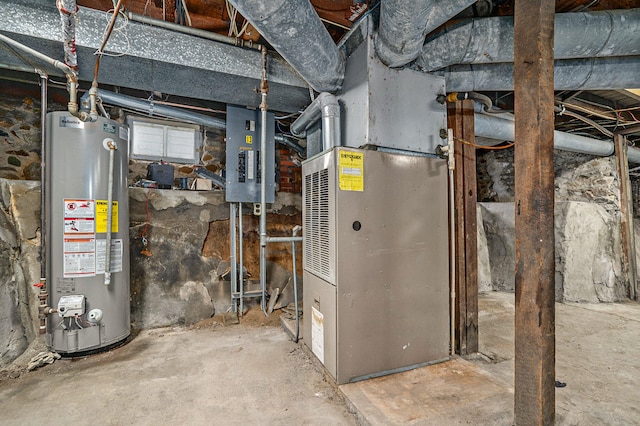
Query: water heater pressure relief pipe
{"points": [[111, 146]]}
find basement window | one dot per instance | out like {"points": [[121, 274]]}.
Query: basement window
{"points": [[164, 140]]}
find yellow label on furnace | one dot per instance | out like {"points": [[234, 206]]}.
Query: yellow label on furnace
{"points": [[248, 139], [101, 216], [351, 171]]}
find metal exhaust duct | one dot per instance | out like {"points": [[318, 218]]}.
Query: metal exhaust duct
{"points": [[404, 25], [577, 35], [327, 108], [287, 26]]}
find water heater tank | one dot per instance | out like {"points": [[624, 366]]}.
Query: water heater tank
{"points": [[90, 314]]}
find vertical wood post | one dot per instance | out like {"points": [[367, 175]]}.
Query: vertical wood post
{"points": [[460, 119], [534, 213], [626, 213]]}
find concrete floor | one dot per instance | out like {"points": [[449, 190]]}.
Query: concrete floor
{"points": [[597, 356], [253, 374]]}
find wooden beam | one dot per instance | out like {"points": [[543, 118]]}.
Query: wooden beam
{"points": [[626, 213], [534, 213], [461, 120]]}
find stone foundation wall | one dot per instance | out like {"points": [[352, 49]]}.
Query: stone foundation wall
{"points": [[179, 283], [587, 246]]}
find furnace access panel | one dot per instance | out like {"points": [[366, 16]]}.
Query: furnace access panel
{"points": [[244, 174]]}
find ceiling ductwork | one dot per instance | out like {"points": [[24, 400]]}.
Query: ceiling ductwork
{"points": [[577, 35], [294, 29], [404, 25], [574, 74]]}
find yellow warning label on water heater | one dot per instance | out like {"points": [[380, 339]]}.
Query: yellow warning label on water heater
{"points": [[351, 171], [101, 216]]}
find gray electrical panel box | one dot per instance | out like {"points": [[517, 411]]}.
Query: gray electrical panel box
{"points": [[244, 173]]}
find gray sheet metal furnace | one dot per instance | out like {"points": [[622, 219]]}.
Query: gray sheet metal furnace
{"points": [[375, 262]]}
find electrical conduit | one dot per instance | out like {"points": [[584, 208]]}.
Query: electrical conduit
{"points": [[264, 90]]}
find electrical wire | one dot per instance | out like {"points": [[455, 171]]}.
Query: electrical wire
{"points": [[117, 29], [562, 111], [493, 148]]}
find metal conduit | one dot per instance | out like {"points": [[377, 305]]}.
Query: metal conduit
{"points": [[493, 127], [577, 35], [192, 31]]}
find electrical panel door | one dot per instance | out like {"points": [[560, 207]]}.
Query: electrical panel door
{"points": [[244, 173]]}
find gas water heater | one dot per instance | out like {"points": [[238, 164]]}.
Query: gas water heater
{"points": [[91, 297]]}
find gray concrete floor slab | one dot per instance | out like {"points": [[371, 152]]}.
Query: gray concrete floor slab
{"points": [[210, 376], [597, 356], [254, 374]]}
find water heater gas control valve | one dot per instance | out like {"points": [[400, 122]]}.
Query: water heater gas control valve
{"points": [[70, 306]]}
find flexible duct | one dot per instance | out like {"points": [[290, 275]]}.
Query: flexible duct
{"points": [[404, 25], [503, 129], [577, 35], [572, 74], [287, 25], [327, 108]]}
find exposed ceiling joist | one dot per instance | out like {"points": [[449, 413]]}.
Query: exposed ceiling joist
{"points": [[154, 59]]}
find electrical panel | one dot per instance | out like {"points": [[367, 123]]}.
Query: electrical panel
{"points": [[243, 173]]}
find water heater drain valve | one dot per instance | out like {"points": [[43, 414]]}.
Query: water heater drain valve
{"points": [[71, 306]]}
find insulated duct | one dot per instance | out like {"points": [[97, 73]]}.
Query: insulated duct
{"points": [[577, 35], [404, 25], [573, 74], [287, 26], [148, 107], [494, 127]]}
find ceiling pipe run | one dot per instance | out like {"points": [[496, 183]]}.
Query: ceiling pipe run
{"points": [[404, 25], [148, 107], [571, 74], [288, 25], [577, 35], [503, 129]]}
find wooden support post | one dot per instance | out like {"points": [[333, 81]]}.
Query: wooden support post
{"points": [[460, 119], [626, 213], [534, 213]]}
